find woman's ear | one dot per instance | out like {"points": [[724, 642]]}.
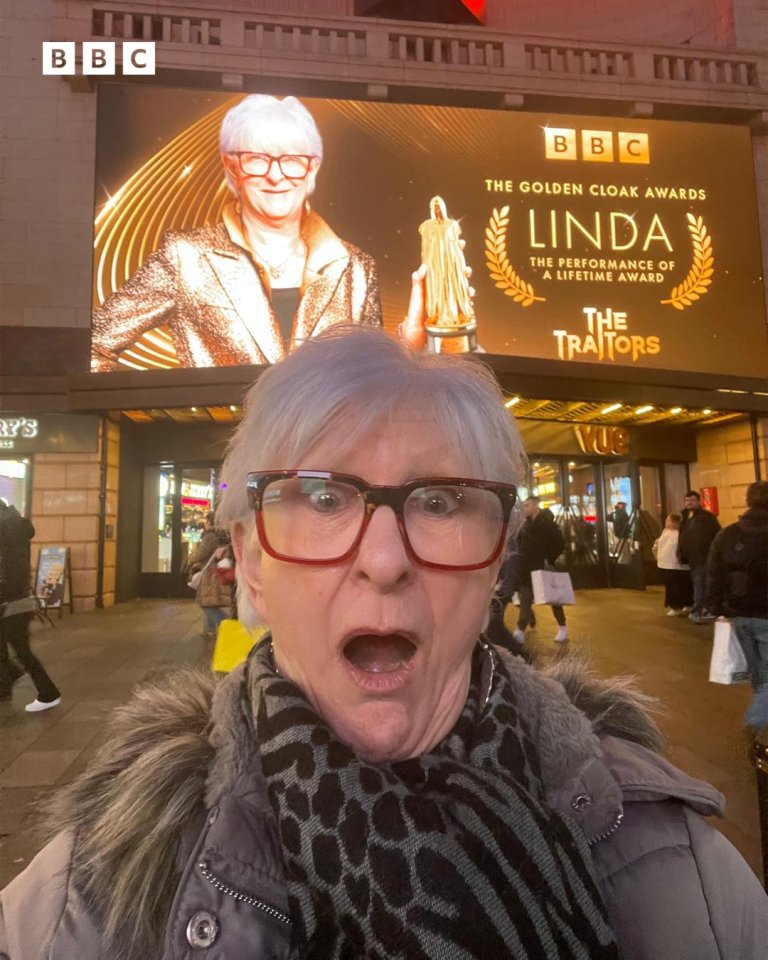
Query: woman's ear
{"points": [[248, 558]]}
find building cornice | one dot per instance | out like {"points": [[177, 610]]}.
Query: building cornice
{"points": [[238, 45]]}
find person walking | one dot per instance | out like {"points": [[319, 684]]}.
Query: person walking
{"points": [[496, 632], [698, 528], [211, 594], [676, 576], [540, 543], [15, 533], [737, 588]]}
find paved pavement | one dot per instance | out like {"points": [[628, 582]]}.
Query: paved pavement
{"points": [[96, 658]]}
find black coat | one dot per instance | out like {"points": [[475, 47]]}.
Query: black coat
{"points": [[15, 533], [697, 532], [540, 542], [737, 571]]}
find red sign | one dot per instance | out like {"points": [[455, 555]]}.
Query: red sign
{"points": [[709, 500]]}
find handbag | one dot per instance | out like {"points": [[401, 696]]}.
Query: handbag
{"points": [[194, 581], [728, 663], [225, 571], [234, 642], [552, 587], [12, 608]]}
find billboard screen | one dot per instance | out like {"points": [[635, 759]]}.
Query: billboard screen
{"points": [[605, 240]]}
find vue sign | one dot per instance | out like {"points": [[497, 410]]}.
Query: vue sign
{"points": [[607, 441]]}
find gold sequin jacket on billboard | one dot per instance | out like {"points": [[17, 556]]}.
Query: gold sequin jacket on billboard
{"points": [[214, 296]]}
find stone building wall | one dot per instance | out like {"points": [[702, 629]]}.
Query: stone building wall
{"points": [[66, 508], [725, 460], [707, 23], [47, 160]]}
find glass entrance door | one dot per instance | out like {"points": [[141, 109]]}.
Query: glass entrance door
{"points": [[622, 517], [581, 528], [176, 500]]}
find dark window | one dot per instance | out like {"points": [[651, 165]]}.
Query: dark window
{"points": [[425, 11]]}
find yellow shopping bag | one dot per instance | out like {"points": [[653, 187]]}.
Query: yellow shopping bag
{"points": [[234, 642]]}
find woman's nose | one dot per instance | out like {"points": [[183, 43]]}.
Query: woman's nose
{"points": [[274, 174], [382, 557]]}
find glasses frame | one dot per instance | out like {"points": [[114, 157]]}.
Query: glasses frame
{"points": [[278, 160], [374, 496]]}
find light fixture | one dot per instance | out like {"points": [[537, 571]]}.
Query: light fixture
{"points": [[193, 409], [644, 409], [706, 411], [676, 410], [511, 402], [232, 407], [613, 406], [571, 463]]}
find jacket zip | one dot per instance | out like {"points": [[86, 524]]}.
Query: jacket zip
{"points": [[607, 833], [242, 897]]}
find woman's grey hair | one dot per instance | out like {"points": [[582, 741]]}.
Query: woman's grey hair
{"points": [[266, 124], [338, 386]]}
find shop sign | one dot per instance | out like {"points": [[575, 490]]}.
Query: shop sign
{"points": [[591, 239], [196, 491], [50, 433], [606, 441], [13, 429]]}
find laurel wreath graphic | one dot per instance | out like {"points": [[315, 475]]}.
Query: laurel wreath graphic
{"points": [[502, 272], [700, 275]]}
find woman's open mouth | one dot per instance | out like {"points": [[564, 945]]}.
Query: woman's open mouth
{"points": [[376, 653]]}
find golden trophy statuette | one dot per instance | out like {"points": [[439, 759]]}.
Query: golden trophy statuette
{"points": [[451, 325]]}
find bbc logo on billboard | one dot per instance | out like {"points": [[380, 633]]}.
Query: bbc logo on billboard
{"points": [[98, 58], [596, 146]]}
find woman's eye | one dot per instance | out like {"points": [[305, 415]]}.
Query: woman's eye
{"points": [[329, 499], [325, 502], [439, 503]]}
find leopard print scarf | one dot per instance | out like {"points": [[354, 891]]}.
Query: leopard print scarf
{"points": [[450, 855]]}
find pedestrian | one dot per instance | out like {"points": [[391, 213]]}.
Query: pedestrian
{"points": [[737, 588], [621, 526], [496, 631], [376, 780], [698, 528], [15, 533], [676, 576], [212, 595], [540, 543]]}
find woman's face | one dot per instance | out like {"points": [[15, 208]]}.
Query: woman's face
{"points": [[415, 628], [273, 198]]}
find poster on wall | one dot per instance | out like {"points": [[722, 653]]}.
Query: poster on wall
{"points": [[598, 239], [53, 579]]}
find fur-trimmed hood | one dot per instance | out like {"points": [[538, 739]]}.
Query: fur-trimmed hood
{"points": [[180, 744]]}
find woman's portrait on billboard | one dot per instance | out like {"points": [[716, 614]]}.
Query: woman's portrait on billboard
{"points": [[269, 275]]}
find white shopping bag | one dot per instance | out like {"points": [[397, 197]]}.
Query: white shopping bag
{"points": [[728, 663], [553, 587]]}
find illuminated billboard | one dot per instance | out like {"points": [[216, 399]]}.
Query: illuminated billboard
{"points": [[598, 239]]}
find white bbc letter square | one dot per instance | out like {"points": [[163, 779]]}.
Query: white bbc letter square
{"points": [[139, 57], [59, 57], [99, 57]]}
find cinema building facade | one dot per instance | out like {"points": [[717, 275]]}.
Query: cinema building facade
{"points": [[611, 186]]}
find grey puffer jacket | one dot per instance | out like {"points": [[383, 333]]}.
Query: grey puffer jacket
{"points": [[167, 848]]}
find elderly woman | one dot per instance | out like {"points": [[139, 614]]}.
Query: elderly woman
{"points": [[270, 275], [376, 781]]}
